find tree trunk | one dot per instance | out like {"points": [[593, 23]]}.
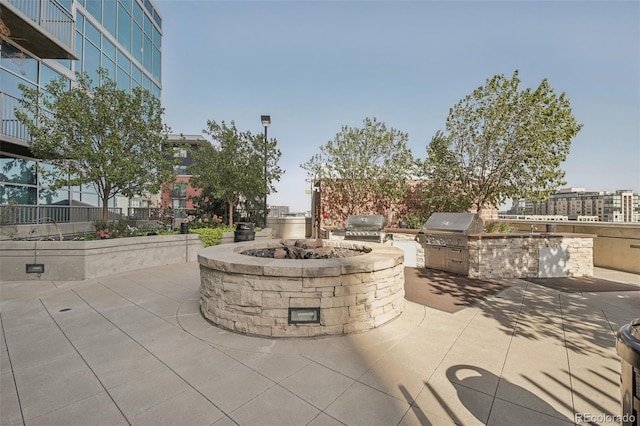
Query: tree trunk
{"points": [[230, 213], [105, 208]]}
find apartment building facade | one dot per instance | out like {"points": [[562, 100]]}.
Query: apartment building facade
{"points": [[577, 203], [45, 39], [177, 195]]}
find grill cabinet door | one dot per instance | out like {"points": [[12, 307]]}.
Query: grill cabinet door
{"points": [[435, 257]]}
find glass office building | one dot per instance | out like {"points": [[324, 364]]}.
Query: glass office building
{"points": [[43, 39]]}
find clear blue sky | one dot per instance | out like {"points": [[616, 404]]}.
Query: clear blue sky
{"points": [[317, 65]]}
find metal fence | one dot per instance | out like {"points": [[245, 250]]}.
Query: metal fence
{"points": [[20, 214]]}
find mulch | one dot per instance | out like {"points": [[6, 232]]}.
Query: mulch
{"points": [[445, 291], [582, 284]]}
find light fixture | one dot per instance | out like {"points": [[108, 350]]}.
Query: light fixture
{"points": [[266, 120], [35, 268], [304, 315]]}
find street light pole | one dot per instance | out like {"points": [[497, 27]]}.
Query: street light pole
{"points": [[266, 120]]}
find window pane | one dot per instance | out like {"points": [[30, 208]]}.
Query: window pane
{"points": [[109, 19], [136, 47], [156, 63], [124, 81], [17, 170], [92, 33], [10, 84], [108, 48], [47, 74], [124, 27], [79, 42], [124, 62], [59, 197], [148, 26], [94, 7], [126, 4], [138, 14], [80, 22], [110, 66], [146, 82], [92, 62], [17, 194], [156, 37], [20, 63], [155, 91], [156, 17], [89, 198], [66, 4], [148, 54], [136, 73]]}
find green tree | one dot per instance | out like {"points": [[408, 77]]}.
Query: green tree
{"points": [[363, 166], [232, 168], [102, 136], [442, 191], [509, 143]]}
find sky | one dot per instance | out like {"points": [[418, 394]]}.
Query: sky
{"points": [[315, 66]]}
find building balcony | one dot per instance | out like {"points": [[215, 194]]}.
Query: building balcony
{"points": [[12, 130], [43, 27]]}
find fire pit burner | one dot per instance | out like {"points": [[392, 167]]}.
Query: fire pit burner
{"points": [[306, 249]]}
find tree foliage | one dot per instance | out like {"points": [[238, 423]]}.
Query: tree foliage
{"points": [[506, 142], [442, 193], [232, 168], [363, 166], [101, 136]]}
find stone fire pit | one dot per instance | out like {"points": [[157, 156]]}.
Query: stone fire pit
{"points": [[361, 289]]}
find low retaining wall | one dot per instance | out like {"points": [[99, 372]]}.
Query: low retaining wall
{"points": [[253, 295], [81, 260]]}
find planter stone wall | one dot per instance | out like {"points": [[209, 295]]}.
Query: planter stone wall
{"points": [[81, 260]]}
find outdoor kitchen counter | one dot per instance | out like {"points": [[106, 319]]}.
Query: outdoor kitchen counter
{"points": [[531, 235], [530, 255]]}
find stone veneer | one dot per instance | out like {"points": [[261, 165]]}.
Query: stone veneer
{"points": [[252, 295], [495, 256]]}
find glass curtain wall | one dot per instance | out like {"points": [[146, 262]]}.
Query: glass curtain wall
{"points": [[122, 36]]}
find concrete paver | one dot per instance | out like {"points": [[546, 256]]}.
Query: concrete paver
{"points": [[133, 349]]}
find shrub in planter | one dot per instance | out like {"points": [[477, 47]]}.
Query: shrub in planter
{"points": [[209, 236]]}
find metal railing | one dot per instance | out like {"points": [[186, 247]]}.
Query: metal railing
{"points": [[20, 214], [11, 126], [50, 15], [144, 213]]}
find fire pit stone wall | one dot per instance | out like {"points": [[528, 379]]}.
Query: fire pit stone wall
{"points": [[253, 295]]}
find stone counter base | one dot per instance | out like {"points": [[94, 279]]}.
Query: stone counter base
{"points": [[539, 256], [253, 295]]}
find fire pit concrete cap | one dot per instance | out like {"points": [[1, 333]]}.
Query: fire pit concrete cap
{"points": [[228, 258]]}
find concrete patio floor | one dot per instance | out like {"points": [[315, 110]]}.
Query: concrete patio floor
{"points": [[133, 348]]}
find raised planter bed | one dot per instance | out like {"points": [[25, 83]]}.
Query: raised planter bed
{"points": [[81, 260]]}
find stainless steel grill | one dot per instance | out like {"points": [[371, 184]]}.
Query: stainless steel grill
{"points": [[365, 228], [444, 237]]}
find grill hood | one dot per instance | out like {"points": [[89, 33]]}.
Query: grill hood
{"points": [[365, 222], [458, 223]]}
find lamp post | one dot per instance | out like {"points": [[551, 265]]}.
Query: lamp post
{"points": [[266, 120]]}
